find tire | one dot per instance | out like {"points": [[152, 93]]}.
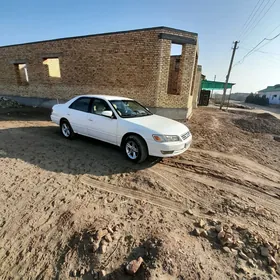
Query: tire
{"points": [[66, 129], [135, 149]]}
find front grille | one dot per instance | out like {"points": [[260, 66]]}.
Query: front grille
{"points": [[185, 135]]}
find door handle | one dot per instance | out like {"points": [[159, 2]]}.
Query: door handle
{"points": [[68, 114], [90, 120]]}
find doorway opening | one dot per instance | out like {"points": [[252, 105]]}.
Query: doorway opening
{"points": [[174, 69]]}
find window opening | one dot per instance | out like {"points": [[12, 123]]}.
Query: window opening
{"points": [[53, 67], [174, 69]]}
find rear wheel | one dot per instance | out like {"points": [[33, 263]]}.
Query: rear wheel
{"points": [[66, 129], [135, 149]]}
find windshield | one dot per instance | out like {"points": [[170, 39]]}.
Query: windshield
{"points": [[130, 108]]}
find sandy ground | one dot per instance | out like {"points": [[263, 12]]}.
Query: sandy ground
{"points": [[80, 209]]}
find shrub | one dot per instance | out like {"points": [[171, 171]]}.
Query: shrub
{"points": [[256, 99]]}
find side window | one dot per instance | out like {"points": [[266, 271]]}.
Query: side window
{"points": [[99, 106], [21, 73], [81, 104], [53, 67]]}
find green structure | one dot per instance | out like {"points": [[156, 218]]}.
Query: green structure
{"points": [[271, 89], [214, 85]]}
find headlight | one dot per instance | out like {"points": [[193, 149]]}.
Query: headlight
{"points": [[166, 138]]}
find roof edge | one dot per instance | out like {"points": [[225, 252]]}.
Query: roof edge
{"points": [[271, 88], [103, 34]]}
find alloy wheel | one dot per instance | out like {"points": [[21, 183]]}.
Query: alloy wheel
{"points": [[66, 130], [131, 149]]}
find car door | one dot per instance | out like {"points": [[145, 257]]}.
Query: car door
{"points": [[99, 126], [77, 115]]}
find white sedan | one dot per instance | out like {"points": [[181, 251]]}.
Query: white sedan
{"points": [[123, 122]]}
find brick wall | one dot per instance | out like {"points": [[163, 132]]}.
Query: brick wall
{"points": [[173, 75], [133, 64], [185, 77], [197, 87]]}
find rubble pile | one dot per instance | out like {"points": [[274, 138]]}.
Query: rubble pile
{"points": [[258, 123], [99, 247], [8, 103], [240, 242]]}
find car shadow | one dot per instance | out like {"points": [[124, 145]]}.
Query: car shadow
{"points": [[44, 147], [25, 113]]}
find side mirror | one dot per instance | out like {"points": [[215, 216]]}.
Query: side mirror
{"points": [[108, 114]]}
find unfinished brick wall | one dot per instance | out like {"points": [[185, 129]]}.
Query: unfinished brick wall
{"points": [[197, 87], [173, 75], [133, 64], [185, 77]]}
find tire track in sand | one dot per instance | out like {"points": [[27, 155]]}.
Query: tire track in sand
{"points": [[241, 160], [134, 194], [259, 196], [168, 184]]}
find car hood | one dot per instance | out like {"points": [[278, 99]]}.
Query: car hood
{"points": [[159, 125]]}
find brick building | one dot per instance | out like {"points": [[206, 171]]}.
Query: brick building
{"points": [[135, 63]]}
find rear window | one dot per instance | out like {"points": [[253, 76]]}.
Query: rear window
{"points": [[81, 104]]}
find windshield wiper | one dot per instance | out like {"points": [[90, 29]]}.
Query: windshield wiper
{"points": [[142, 114]]}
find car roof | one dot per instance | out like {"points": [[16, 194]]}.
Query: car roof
{"points": [[106, 97]]}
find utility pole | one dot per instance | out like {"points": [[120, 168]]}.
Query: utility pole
{"points": [[214, 86], [227, 78], [229, 98]]}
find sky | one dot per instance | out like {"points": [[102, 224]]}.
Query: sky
{"points": [[218, 23]]}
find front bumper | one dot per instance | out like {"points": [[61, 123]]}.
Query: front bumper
{"points": [[168, 149]]}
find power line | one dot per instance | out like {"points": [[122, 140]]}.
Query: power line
{"points": [[252, 18], [248, 53], [274, 29], [260, 51], [268, 56], [270, 59], [253, 49], [268, 35], [262, 15], [269, 40], [248, 19], [257, 15]]}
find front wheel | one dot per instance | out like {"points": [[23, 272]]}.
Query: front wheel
{"points": [[135, 149], [66, 129]]}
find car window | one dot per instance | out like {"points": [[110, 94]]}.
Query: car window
{"points": [[81, 104], [130, 108], [98, 106]]}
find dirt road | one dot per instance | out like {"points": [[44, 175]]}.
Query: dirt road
{"points": [[79, 208]]}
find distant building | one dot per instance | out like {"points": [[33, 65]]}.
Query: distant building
{"points": [[239, 96], [272, 93]]}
